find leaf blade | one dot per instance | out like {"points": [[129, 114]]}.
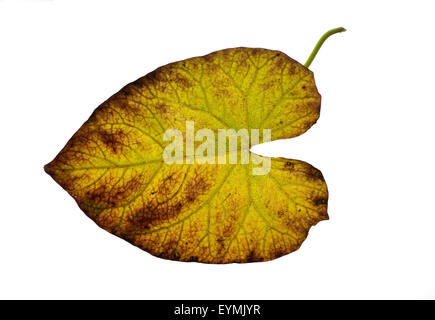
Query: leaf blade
{"points": [[113, 165]]}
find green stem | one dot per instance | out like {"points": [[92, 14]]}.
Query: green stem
{"points": [[320, 43]]}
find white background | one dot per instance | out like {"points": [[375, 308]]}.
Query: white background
{"points": [[373, 142]]}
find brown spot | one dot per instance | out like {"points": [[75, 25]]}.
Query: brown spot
{"points": [[193, 259], [98, 195], [156, 213], [129, 237], [155, 79], [182, 81], [221, 245], [266, 85], [170, 254], [313, 174], [279, 252], [255, 51], [289, 165], [93, 116], [164, 110], [132, 186], [161, 107], [195, 188], [253, 256], [151, 77], [320, 201], [127, 107], [153, 213], [229, 228], [112, 140], [291, 69], [105, 194], [278, 63]]}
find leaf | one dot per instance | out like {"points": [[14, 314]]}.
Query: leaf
{"points": [[213, 213]]}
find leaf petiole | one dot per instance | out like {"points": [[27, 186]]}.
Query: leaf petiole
{"points": [[320, 43]]}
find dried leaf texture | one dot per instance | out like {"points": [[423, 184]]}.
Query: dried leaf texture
{"points": [[210, 213]]}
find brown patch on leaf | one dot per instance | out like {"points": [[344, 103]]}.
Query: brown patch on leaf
{"points": [[253, 256], [196, 187], [182, 81], [313, 173], [318, 201], [288, 165], [111, 196], [113, 140], [154, 213]]}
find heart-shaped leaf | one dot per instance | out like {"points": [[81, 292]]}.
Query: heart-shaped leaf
{"points": [[114, 168]]}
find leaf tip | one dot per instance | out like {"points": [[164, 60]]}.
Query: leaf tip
{"points": [[47, 169]]}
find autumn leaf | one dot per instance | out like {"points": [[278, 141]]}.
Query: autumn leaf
{"points": [[212, 213]]}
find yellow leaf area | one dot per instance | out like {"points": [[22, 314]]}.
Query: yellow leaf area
{"points": [[211, 213]]}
